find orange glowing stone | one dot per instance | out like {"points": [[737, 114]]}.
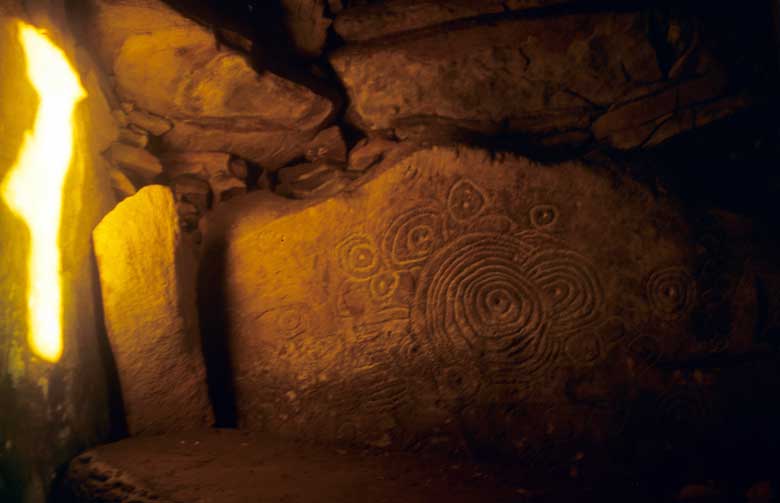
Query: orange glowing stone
{"points": [[33, 188]]}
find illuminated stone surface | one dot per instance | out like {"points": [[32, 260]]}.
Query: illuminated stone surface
{"points": [[166, 64], [453, 299], [49, 412], [146, 276]]}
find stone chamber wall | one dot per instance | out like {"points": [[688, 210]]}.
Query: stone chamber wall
{"points": [[50, 412], [535, 231]]}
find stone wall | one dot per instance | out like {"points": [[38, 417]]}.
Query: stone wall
{"points": [[51, 411], [384, 265], [315, 108], [491, 306]]}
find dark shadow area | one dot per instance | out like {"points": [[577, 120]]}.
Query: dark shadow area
{"points": [[214, 327]]}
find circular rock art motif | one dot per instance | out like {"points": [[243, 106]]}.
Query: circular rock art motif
{"points": [[572, 285], [505, 301], [413, 236], [671, 292], [473, 293], [289, 321], [358, 256], [384, 285], [465, 200], [543, 215]]}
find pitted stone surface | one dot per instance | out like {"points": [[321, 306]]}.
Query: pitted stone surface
{"points": [[459, 300]]}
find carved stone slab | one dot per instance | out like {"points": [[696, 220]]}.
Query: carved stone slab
{"points": [[462, 300]]}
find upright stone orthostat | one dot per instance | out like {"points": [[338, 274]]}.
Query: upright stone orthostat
{"points": [[462, 300], [147, 275]]}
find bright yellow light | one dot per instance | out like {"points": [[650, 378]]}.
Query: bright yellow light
{"points": [[33, 187]]}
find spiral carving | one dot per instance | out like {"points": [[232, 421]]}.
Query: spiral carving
{"points": [[413, 236], [671, 292]]}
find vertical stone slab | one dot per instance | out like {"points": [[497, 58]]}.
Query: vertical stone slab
{"points": [[147, 275]]}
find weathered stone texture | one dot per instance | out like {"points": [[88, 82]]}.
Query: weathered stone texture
{"points": [[463, 301], [168, 65], [310, 180], [146, 275], [135, 160], [559, 80], [392, 17], [307, 25], [487, 78], [388, 18]]}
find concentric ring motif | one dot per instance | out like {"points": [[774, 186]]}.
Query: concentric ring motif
{"points": [[465, 200], [671, 292], [358, 256], [289, 321], [543, 215], [474, 295], [413, 236], [573, 286]]}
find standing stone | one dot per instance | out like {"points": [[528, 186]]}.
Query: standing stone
{"points": [[146, 276], [454, 294]]}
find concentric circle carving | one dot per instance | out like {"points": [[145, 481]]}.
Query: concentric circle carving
{"points": [[465, 200], [358, 256], [413, 236], [571, 284], [288, 321], [474, 293], [671, 292], [384, 285], [543, 215]]}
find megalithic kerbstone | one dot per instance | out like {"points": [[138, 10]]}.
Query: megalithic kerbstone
{"points": [[146, 276]]}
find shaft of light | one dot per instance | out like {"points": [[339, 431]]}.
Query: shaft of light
{"points": [[33, 188]]}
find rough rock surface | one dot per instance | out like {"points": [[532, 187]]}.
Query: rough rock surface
{"points": [[136, 161], [551, 83], [146, 275], [461, 302], [310, 180], [233, 467], [552, 78], [368, 152], [328, 145], [387, 18], [168, 65], [391, 17], [307, 25]]}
